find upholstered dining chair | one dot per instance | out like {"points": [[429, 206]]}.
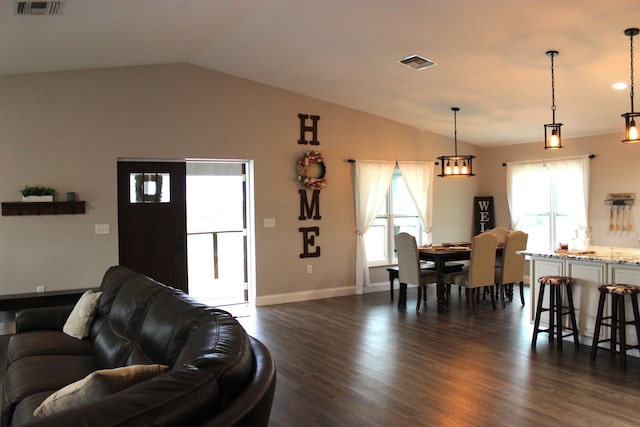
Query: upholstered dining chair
{"points": [[512, 269], [481, 269], [409, 271]]}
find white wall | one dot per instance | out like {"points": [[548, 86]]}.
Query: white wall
{"points": [[67, 130]]}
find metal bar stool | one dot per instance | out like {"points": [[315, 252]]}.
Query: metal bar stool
{"points": [[617, 320], [556, 311]]}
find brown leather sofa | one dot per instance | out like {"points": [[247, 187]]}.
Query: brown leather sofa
{"points": [[218, 375]]}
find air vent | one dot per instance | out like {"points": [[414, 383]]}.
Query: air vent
{"points": [[39, 8], [417, 62]]}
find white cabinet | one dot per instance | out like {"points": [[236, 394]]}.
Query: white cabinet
{"points": [[587, 276]]}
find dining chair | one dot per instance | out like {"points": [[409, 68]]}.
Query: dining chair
{"points": [[511, 271], [409, 271], [481, 269]]}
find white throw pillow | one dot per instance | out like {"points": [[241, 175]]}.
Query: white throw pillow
{"points": [[95, 386], [79, 321]]}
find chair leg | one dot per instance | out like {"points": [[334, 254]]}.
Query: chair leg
{"points": [[558, 313], [501, 290], [614, 323], [623, 331], [636, 317], [596, 330], [473, 303], [493, 298], [572, 315], [536, 325], [419, 297], [402, 295]]}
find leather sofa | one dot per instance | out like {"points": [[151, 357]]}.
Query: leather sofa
{"points": [[217, 374]]}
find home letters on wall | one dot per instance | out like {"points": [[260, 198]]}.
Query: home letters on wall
{"points": [[311, 171]]}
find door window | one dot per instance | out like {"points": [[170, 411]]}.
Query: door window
{"points": [[147, 187]]}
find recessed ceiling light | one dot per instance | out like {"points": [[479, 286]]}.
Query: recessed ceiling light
{"points": [[417, 62], [619, 85]]}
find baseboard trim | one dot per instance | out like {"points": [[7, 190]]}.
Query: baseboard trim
{"points": [[326, 293], [319, 294]]}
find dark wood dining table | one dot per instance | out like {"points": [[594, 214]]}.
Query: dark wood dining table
{"points": [[440, 256]]}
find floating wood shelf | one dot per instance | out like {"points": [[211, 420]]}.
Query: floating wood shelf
{"points": [[42, 208]]}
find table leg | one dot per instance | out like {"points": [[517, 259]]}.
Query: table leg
{"points": [[440, 287]]}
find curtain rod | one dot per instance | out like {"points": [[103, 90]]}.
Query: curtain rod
{"points": [[591, 156], [354, 161]]}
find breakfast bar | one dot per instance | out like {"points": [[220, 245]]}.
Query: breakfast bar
{"points": [[589, 268]]}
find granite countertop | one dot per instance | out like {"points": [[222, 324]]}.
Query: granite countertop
{"points": [[594, 253]]}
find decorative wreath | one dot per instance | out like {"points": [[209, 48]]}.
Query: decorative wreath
{"points": [[303, 167]]}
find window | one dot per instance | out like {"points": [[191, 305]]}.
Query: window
{"points": [[548, 201], [397, 214]]}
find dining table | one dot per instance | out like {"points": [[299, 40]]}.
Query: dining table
{"points": [[440, 255]]}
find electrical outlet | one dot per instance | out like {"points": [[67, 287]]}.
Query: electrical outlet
{"points": [[40, 289], [103, 229], [309, 268]]}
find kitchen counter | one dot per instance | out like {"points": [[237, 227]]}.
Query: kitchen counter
{"points": [[606, 254], [589, 269]]}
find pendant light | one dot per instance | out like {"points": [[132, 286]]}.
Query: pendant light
{"points": [[630, 129], [456, 165], [552, 136]]}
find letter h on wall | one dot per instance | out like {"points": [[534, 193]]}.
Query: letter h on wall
{"points": [[304, 128]]}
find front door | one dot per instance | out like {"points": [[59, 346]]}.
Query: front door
{"points": [[152, 220]]}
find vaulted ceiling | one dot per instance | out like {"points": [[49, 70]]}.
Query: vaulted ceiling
{"points": [[490, 54]]}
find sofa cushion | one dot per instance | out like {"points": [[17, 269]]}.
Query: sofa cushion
{"points": [[35, 374], [96, 385], [115, 337], [43, 343], [79, 321], [113, 280]]}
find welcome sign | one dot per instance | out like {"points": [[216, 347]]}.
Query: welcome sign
{"points": [[483, 214]]}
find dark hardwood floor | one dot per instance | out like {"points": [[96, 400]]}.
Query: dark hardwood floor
{"points": [[359, 361]]}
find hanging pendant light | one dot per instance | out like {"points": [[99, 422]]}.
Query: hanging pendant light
{"points": [[552, 135], [630, 129], [456, 165]]}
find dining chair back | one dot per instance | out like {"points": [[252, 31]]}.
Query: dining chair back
{"points": [[481, 270], [512, 269], [409, 271]]}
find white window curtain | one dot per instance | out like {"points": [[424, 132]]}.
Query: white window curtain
{"points": [[419, 179], [570, 177], [372, 181], [522, 179]]}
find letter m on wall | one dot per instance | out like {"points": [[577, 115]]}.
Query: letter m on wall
{"points": [[309, 210]]}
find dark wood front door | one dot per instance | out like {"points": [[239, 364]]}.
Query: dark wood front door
{"points": [[152, 220]]}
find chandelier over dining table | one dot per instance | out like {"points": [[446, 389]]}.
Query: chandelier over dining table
{"points": [[456, 165]]}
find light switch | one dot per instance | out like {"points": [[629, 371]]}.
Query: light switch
{"points": [[102, 229], [270, 222]]}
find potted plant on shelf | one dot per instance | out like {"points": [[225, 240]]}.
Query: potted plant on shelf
{"points": [[37, 193]]}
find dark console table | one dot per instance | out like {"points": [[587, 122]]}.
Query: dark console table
{"points": [[16, 302]]}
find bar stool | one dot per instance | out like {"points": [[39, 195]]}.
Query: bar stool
{"points": [[556, 310], [617, 320]]}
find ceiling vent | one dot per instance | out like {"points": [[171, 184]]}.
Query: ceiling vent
{"points": [[417, 62], [39, 7]]}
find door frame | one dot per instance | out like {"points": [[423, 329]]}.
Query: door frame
{"points": [[250, 210]]}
